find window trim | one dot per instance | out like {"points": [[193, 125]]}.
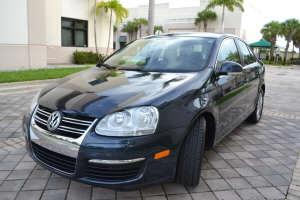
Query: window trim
{"points": [[249, 50], [237, 47], [74, 30]]}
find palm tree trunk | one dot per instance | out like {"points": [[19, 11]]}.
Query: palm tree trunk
{"points": [[205, 25], [151, 17], [95, 32], [287, 47], [293, 53], [140, 27], [222, 22], [109, 33]]}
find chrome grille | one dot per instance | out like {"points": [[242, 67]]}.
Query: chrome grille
{"points": [[70, 126]]}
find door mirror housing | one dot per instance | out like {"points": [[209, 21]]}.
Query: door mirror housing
{"points": [[230, 68]]}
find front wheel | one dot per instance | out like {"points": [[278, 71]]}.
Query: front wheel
{"points": [[191, 153], [256, 114]]}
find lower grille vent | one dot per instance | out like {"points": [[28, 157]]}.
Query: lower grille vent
{"points": [[120, 172], [58, 161]]}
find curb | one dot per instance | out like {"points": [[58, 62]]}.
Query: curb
{"points": [[15, 86]]}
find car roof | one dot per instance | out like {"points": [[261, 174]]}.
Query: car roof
{"points": [[192, 34]]}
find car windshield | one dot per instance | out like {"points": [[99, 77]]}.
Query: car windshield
{"points": [[172, 54]]}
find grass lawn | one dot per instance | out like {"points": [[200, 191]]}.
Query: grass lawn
{"points": [[37, 74], [278, 65]]}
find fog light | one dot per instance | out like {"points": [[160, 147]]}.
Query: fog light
{"points": [[162, 154]]}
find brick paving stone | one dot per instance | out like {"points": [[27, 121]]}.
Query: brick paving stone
{"points": [[250, 194], [55, 194], [269, 161], [174, 188], [285, 160], [12, 158], [264, 170], [236, 148], [271, 193], [11, 186], [210, 174], [277, 180], [250, 148], [218, 184], [35, 184], [228, 156], [236, 163], [219, 164], [228, 173], [204, 196], [227, 195], [155, 198], [179, 197], [259, 154], [29, 195], [238, 183], [283, 189], [22, 174], [8, 195], [200, 188], [129, 194], [258, 181], [281, 169], [246, 171], [78, 193], [75, 184], [252, 162], [103, 193], [58, 183], [4, 174], [40, 173], [25, 166], [153, 191]]}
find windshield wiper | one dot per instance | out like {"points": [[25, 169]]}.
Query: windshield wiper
{"points": [[104, 65], [130, 68]]}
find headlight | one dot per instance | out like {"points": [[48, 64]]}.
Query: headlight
{"points": [[132, 122], [33, 103]]}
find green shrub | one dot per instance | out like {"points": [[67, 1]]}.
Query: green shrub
{"points": [[280, 58], [267, 57], [84, 57]]}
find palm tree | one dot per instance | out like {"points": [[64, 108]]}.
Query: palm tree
{"points": [[116, 7], [270, 32], [229, 4], [95, 31], [156, 28], [296, 42], [139, 22], [151, 16], [289, 28], [130, 27], [204, 16]]}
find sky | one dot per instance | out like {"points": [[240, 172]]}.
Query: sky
{"points": [[279, 10]]}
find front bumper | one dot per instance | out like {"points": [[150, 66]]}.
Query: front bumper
{"points": [[119, 176]]}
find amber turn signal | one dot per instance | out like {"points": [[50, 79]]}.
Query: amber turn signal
{"points": [[162, 154]]}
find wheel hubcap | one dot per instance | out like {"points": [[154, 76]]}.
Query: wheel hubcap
{"points": [[259, 106]]}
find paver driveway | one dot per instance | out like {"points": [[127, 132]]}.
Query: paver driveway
{"points": [[253, 162]]}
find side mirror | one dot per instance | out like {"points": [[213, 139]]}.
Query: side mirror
{"points": [[230, 68]]}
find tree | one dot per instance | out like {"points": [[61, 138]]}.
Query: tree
{"points": [[229, 4], [204, 16], [130, 27], [139, 22], [95, 32], [270, 32], [151, 16], [114, 6], [289, 28], [296, 41], [156, 28]]}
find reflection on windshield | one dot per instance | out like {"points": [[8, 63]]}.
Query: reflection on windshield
{"points": [[165, 54]]}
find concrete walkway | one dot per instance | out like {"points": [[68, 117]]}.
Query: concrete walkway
{"points": [[253, 162]]}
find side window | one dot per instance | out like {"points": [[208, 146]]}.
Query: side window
{"points": [[248, 57], [228, 52]]}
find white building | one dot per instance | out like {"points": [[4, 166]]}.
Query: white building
{"points": [[246, 24], [35, 33]]}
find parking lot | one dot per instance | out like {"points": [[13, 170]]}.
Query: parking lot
{"points": [[253, 162]]}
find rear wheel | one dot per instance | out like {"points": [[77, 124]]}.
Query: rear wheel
{"points": [[256, 115], [191, 153]]}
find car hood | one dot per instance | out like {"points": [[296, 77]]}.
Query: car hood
{"points": [[96, 92]]}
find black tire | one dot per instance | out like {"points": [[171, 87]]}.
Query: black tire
{"points": [[256, 114], [190, 155]]}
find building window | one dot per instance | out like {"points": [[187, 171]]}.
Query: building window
{"points": [[74, 32]]}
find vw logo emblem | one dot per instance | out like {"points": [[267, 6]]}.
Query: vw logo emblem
{"points": [[54, 120]]}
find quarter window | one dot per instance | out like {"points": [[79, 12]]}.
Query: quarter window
{"points": [[247, 56], [73, 32], [228, 52]]}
